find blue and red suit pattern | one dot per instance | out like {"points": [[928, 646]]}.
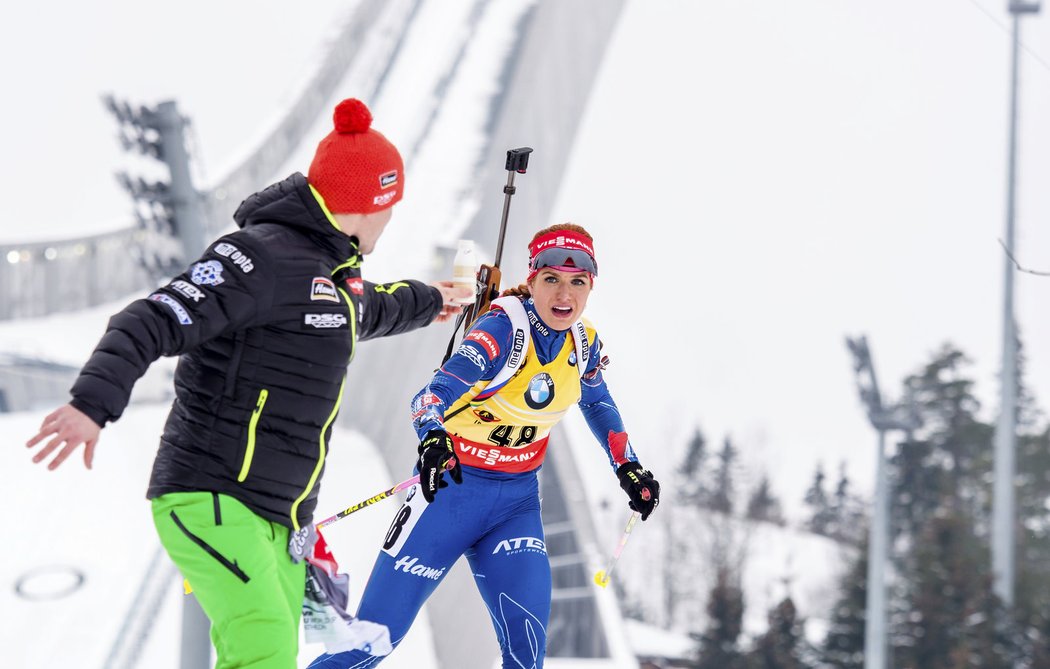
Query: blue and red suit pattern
{"points": [[493, 517]]}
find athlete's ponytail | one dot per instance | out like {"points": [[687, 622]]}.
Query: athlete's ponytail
{"points": [[518, 291]]}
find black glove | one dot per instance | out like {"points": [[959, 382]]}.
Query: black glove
{"points": [[640, 486], [435, 454]]}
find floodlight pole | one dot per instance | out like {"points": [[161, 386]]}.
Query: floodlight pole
{"points": [[878, 554], [1003, 497], [883, 420]]}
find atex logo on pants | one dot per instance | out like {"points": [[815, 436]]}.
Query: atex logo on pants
{"points": [[520, 544]]}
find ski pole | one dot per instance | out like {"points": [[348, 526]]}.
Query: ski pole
{"points": [[379, 497], [601, 577]]}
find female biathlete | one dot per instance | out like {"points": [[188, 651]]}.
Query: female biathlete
{"points": [[486, 416]]}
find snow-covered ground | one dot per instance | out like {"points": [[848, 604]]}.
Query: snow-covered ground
{"points": [[669, 553], [83, 540]]}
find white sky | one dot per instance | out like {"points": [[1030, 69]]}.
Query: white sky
{"points": [[763, 179], [230, 65]]}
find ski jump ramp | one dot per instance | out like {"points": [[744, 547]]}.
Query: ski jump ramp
{"points": [[549, 79]]}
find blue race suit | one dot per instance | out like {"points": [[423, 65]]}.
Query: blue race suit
{"points": [[493, 517]]}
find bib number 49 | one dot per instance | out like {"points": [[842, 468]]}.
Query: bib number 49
{"points": [[512, 436]]}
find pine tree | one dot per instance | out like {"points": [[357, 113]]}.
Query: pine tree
{"points": [[763, 506], [1033, 529], [723, 492], [844, 644], [1033, 544], [954, 617], [821, 516], [957, 439], [719, 647], [692, 470], [944, 613], [783, 646], [942, 500], [845, 512]]}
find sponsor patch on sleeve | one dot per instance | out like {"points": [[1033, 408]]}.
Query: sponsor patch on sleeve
{"points": [[324, 321], [322, 288], [472, 354], [236, 256], [173, 304], [488, 344], [187, 290], [428, 399], [425, 406], [356, 285], [207, 273]]}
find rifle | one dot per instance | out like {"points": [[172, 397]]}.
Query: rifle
{"points": [[489, 276]]}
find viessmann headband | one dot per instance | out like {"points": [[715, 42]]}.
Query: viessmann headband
{"points": [[565, 250]]}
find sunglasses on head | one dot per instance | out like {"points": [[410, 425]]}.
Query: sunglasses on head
{"points": [[559, 257]]}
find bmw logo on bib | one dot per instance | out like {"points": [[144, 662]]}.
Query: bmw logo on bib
{"points": [[541, 391]]}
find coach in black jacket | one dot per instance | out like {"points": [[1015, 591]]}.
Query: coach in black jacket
{"points": [[265, 323]]}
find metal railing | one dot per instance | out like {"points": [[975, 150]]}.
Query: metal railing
{"points": [[42, 278]]}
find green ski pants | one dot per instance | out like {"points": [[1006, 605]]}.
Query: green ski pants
{"points": [[238, 566]]}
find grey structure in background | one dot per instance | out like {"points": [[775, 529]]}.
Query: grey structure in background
{"points": [[169, 212], [1003, 502], [26, 382], [575, 628], [261, 165], [43, 278], [549, 79], [543, 106], [883, 419]]}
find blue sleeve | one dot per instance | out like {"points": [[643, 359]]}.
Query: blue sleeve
{"points": [[480, 355], [601, 413]]}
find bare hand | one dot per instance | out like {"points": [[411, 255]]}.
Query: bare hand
{"points": [[69, 426], [449, 295]]}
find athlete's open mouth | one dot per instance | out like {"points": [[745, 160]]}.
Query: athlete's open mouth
{"points": [[562, 311]]}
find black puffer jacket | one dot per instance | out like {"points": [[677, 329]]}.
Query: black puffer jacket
{"points": [[265, 323]]}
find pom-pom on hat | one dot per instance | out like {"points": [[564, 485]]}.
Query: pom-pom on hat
{"points": [[356, 169]]}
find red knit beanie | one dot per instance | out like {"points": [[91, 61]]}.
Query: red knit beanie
{"points": [[356, 170]]}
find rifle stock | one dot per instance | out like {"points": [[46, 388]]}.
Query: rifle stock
{"points": [[489, 277]]}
